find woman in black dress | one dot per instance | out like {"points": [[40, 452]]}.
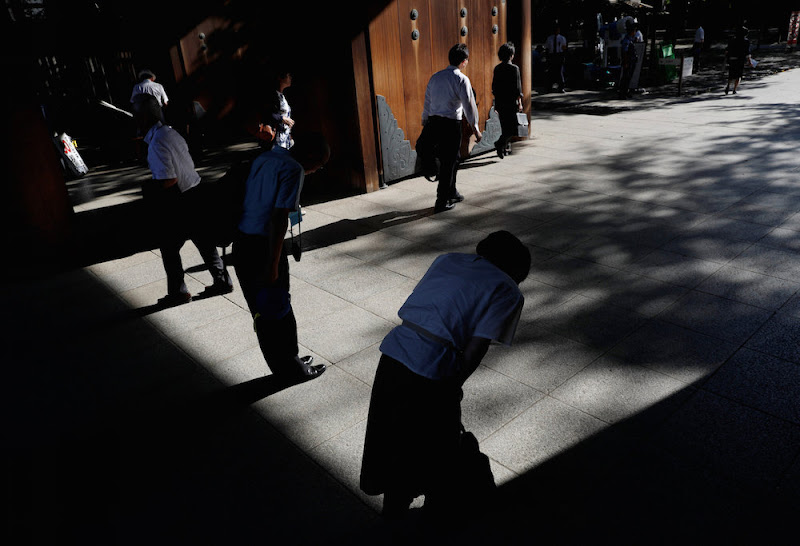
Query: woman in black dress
{"points": [[507, 91], [737, 54]]}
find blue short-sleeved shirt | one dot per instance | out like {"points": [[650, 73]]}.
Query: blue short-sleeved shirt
{"points": [[461, 296], [274, 182]]}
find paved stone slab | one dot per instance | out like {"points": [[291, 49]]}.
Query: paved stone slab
{"points": [[672, 350], [779, 336], [772, 384]]}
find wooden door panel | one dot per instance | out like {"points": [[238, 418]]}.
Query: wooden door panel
{"points": [[416, 62], [387, 62], [445, 29]]}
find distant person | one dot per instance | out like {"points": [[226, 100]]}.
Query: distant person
{"points": [[281, 112], [697, 47], [448, 98], [463, 302], [556, 47], [737, 54], [273, 191], [177, 205], [145, 87], [629, 59], [638, 37], [507, 91]]}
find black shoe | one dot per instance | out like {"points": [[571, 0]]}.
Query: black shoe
{"points": [[176, 298], [309, 370], [442, 206], [501, 153], [219, 288], [457, 197]]}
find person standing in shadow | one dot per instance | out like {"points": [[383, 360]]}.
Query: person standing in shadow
{"points": [[177, 205], [737, 54], [272, 191], [462, 304], [448, 98], [556, 47], [507, 91]]}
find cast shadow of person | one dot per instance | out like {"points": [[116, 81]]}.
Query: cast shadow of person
{"points": [[348, 230]]}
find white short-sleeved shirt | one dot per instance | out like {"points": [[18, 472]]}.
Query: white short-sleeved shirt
{"points": [[168, 156], [699, 35], [449, 95], [555, 44], [461, 296], [149, 87], [275, 182]]}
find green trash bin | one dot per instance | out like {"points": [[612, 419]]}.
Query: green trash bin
{"points": [[670, 72]]}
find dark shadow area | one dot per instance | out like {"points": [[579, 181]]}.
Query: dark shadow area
{"points": [[626, 485], [115, 436]]}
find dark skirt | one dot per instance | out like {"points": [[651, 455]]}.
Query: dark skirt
{"points": [[412, 434]]}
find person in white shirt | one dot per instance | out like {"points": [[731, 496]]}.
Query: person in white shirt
{"points": [[449, 97], [462, 304], [697, 48], [176, 206], [147, 86], [556, 47]]}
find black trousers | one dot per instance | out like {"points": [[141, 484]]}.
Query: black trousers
{"points": [[441, 138], [269, 303], [180, 216], [508, 123], [555, 70]]}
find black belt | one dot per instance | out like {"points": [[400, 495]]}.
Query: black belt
{"points": [[433, 337]]}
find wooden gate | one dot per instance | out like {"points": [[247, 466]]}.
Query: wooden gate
{"points": [[408, 42]]}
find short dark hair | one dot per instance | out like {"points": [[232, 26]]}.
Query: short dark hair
{"points": [[146, 74], [506, 51], [508, 253], [458, 54]]}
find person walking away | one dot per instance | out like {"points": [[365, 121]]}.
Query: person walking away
{"points": [[737, 54], [697, 48], [177, 205], [629, 59], [463, 302], [448, 98], [556, 47], [147, 86], [260, 258], [507, 91]]}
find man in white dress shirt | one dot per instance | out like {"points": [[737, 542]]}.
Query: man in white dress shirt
{"points": [[448, 98], [147, 86], [697, 47], [176, 206], [556, 47]]}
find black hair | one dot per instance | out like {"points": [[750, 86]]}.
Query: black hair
{"points": [[506, 51], [311, 150], [458, 54], [506, 252], [146, 74]]}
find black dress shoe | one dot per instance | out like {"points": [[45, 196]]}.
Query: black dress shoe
{"points": [[176, 298], [457, 197], [442, 206], [309, 370], [501, 153]]}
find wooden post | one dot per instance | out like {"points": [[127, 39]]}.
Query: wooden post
{"points": [[526, 60], [365, 119]]}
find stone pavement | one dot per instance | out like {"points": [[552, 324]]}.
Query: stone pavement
{"points": [[652, 395]]}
